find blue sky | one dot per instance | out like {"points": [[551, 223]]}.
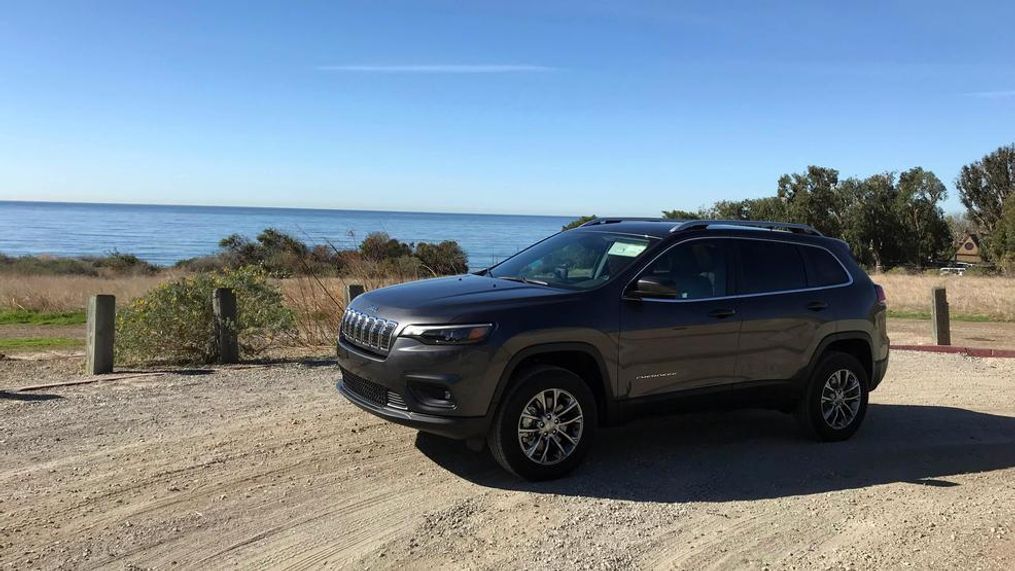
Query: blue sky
{"points": [[518, 107]]}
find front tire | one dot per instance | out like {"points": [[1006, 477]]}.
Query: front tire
{"points": [[835, 402], [544, 426]]}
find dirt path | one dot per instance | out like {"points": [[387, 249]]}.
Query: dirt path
{"points": [[271, 468], [988, 334]]}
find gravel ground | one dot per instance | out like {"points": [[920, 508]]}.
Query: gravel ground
{"points": [[269, 467]]}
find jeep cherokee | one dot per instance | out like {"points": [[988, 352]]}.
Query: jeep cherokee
{"points": [[616, 318]]}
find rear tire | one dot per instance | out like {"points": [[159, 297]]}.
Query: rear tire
{"points": [[544, 425], [835, 400]]}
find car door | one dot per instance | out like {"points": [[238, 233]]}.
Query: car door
{"points": [[687, 339], [785, 312]]}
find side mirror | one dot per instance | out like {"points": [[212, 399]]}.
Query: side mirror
{"points": [[652, 286]]}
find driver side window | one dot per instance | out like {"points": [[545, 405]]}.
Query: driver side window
{"points": [[695, 269]]}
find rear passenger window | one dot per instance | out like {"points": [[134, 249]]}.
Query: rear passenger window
{"points": [[770, 267], [822, 267]]}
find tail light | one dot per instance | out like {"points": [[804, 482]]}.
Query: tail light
{"points": [[880, 291]]}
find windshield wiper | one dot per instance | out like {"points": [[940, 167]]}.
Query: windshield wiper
{"points": [[524, 280]]}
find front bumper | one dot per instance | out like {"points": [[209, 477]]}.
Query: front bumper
{"points": [[457, 427], [390, 386]]}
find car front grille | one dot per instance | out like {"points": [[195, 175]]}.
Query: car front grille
{"points": [[369, 332], [373, 392]]}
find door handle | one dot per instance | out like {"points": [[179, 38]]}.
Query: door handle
{"points": [[817, 305], [722, 313]]}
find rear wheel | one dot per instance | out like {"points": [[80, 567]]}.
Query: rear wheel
{"points": [[544, 425], [835, 402]]}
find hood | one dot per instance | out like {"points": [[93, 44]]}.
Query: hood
{"points": [[453, 299]]}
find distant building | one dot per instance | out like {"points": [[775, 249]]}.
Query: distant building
{"points": [[969, 249]]}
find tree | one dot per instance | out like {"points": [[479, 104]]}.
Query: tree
{"points": [[960, 225], [925, 234], [869, 220], [769, 208], [1002, 241], [577, 222], [985, 185], [683, 215], [813, 198]]}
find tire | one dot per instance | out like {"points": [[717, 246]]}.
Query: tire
{"points": [[842, 411], [556, 447]]}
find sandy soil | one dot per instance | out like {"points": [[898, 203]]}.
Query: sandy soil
{"points": [[269, 467]]}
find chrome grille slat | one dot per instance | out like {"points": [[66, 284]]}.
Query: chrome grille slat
{"points": [[369, 332], [395, 400]]}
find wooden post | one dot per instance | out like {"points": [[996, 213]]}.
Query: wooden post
{"points": [[352, 291], [939, 316], [101, 329], [224, 306]]}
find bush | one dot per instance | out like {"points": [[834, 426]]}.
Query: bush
{"points": [[577, 222], [174, 322], [112, 264], [444, 259]]}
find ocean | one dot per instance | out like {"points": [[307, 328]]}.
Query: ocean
{"points": [[166, 234]]}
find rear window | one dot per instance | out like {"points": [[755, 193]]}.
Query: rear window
{"points": [[770, 267], [822, 267]]}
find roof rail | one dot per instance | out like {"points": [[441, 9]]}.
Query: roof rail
{"points": [[615, 220], [767, 225]]}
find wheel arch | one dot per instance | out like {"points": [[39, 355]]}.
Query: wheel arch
{"points": [[855, 343], [583, 359]]}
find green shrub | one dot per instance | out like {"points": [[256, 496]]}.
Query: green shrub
{"points": [[112, 264], [577, 222], [174, 322], [444, 259]]}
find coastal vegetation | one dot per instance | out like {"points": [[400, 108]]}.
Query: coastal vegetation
{"points": [[174, 321], [112, 264], [890, 219], [282, 255]]}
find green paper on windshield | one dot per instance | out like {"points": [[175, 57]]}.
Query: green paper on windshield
{"points": [[627, 249]]}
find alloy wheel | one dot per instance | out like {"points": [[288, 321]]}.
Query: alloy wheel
{"points": [[550, 426], [840, 399]]}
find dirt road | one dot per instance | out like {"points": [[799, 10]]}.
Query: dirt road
{"points": [[271, 468]]}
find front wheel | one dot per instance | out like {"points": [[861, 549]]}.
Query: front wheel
{"points": [[545, 424], [835, 402]]}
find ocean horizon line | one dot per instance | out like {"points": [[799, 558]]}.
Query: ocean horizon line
{"points": [[291, 208]]}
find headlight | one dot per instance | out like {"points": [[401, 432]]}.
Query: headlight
{"points": [[449, 334]]}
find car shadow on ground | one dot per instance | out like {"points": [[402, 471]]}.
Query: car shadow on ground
{"points": [[746, 455], [27, 397]]}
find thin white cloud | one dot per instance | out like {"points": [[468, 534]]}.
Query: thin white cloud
{"points": [[992, 94], [439, 68]]}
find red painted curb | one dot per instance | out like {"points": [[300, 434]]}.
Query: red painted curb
{"points": [[968, 351]]}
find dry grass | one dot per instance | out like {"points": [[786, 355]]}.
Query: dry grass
{"points": [[68, 293], [968, 296], [318, 303]]}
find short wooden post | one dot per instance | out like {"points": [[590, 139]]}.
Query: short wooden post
{"points": [[352, 291], [224, 306], [101, 329], [939, 316]]}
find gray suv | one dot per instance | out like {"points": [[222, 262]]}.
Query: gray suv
{"points": [[615, 319]]}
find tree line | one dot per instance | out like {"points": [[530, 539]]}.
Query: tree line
{"points": [[891, 218]]}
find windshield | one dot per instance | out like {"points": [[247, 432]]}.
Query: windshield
{"points": [[576, 260]]}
